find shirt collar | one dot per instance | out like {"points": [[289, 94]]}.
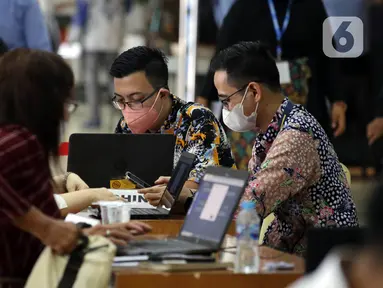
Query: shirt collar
{"points": [[273, 127], [177, 104]]}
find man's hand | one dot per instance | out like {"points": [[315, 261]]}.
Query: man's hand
{"points": [[154, 194], [75, 183], [338, 118], [374, 130]]}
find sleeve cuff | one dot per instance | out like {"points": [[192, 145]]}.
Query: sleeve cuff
{"points": [[60, 201]]}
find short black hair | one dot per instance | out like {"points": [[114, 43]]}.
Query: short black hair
{"points": [[248, 61], [149, 60]]}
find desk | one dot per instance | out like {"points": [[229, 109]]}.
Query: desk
{"points": [[171, 227], [222, 279]]}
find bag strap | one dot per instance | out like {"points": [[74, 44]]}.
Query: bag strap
{"points": [[74, 264]]}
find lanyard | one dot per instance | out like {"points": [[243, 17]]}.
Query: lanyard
{"points": [[286, 112], [278, 31]]}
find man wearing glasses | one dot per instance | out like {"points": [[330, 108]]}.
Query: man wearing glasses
{"points": [[295, 173], [142, 94]]}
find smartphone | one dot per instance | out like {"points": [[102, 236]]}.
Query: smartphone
{"points": [[136, 180]]}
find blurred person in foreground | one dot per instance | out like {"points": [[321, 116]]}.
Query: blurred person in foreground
{"points": [[295, 173], [72, 194], [22, 25], [147, 106], [31, 115], [293, 30], [347, 267]]}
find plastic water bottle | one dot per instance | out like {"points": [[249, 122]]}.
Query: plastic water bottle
{"points": [[247, 258]]}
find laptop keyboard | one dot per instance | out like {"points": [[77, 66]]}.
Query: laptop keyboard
{"points": [[145, 211]]}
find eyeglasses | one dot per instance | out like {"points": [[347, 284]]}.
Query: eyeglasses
{"points": [[134, 105], [225, 102], [71, 107]]}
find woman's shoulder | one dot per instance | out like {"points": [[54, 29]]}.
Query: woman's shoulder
{"points": [[17, 139]]}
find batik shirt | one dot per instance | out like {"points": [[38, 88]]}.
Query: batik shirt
{"points": [[296, 174], [198, 132]]}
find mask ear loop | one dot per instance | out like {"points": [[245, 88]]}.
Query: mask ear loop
{"points": [[243, 99], [244, 95], [241, 103], [159, 113]]}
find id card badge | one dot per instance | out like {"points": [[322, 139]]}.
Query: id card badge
{"points": [[284, 72]]}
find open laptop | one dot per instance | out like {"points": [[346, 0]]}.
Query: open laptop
{"points": [[207, 220], [174, 188], [320, 241], [99, 158]]}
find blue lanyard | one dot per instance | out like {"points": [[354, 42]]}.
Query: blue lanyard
{"points": [[278, 31]]}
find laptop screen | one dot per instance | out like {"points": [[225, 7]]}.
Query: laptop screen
{"points": [[213, 207], [178, 179]]}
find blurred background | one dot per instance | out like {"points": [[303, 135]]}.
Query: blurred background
{"points": [[89, 34]]}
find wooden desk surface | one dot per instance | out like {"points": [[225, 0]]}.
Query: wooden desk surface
{"points": [[134, 277]]}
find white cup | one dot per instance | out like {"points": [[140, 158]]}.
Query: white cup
{"points": [[114, 212]]}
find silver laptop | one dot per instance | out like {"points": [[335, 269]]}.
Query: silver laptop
{"points": [[207, 220]]}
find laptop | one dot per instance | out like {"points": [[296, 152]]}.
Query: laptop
{"points": [[320, 241], [99, 158], [207, 220], [174, 188]]}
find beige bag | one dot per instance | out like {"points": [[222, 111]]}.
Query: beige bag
{"points": [[89, 265]]}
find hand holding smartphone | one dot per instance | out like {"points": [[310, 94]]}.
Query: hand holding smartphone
{"points": [[136, 180]]}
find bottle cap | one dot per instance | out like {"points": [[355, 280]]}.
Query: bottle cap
{"points": [[248, 205]]}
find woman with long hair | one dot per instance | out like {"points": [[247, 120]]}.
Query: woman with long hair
{"points": [[36, 96]]}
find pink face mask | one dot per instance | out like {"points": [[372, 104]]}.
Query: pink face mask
{"points": [[140, 121]]}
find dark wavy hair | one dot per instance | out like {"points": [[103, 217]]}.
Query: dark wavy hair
{"points": [[34, 86]]}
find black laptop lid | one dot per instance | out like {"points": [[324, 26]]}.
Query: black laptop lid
{"points": [[320, 241], [98, 158], [179, 176], [214, 205]]}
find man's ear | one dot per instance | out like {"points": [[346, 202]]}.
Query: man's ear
{"points": [[164, 92], [256, 88]]}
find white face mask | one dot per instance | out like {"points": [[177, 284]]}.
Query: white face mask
{"points": [[236, 119]]}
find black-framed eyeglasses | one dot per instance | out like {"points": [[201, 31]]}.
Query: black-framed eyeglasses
{"points": [[134, 105], [71, 106], [225, 102]]}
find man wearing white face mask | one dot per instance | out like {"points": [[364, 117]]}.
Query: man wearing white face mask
{"points": [[295, 172]]}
